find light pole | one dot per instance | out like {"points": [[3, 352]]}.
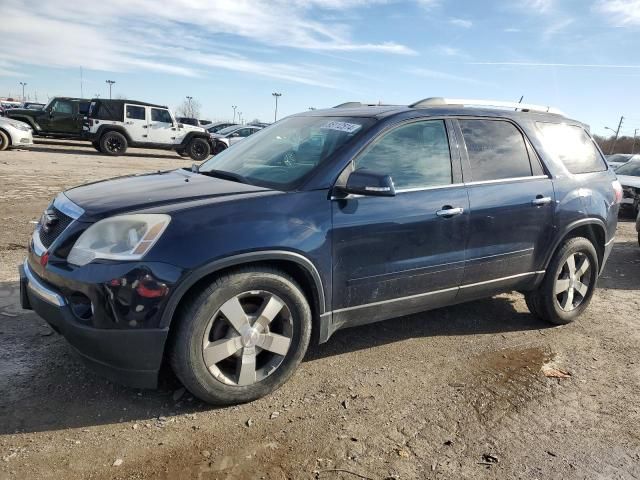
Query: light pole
{"points": [[190, 106], [617, 132], [275, 115], [240, 117], [23, 85], [234, 113], [110, 82]]}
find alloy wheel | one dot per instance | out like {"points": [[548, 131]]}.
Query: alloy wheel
{"points": [[247, 339], [573, 282], [114, 144]]}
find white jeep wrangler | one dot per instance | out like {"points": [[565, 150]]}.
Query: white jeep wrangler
{"points": [[114, 125]]}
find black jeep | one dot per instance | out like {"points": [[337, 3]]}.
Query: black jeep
{"points": [[61, 117]]}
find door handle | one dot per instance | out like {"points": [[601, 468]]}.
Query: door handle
{"points": [[144, 126], [129, 123], [450, 211], [540, 200]]}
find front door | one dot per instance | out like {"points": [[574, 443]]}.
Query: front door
{"points": [[161, 128], [62, 118], [512, 205], [135, 118], [397, 255]]}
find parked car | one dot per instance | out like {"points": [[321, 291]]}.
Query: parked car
{"points": [[217, 126], [189, 121], [114, 125], [14, 134], [629, 177], [61, 117], [325, 220], [226, 137], [618, 159]]}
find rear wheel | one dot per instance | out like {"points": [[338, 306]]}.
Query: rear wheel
{"points": [[242, 337], [113, 143], [568, 285], [4, 141], [198, 149]]}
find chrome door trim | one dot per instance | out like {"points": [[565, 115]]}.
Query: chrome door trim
{"points": [[507, 180]]}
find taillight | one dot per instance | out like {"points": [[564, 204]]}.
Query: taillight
{"points": [[617, 191]]}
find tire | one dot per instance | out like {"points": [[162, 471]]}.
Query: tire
{"points": [[219, 147], [551, 301], [198, 149], [4, 141], [202, 325], [113, 143], [97, 146]]}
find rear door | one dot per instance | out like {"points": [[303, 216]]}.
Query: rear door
{"points": [[402, 254], [512, 205], [161, 127], [135, 119]]}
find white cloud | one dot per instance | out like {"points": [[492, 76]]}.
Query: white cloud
{"points": [[438, 75], [560, 65], [447, 51], [124, 35], [622, 13], [537, 6], [461, 22]]}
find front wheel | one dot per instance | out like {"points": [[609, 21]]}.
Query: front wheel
{"points": [[568, 285], [198, 149], [113, 143], [242, 337], [4, 141]]}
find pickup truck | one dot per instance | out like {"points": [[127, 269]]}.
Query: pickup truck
{"points": [[61, 117]]}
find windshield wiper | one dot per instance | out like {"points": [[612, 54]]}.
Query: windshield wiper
{"points": [[234, 177]]}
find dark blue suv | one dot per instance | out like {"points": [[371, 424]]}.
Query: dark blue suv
{"points": [[324, 220]]}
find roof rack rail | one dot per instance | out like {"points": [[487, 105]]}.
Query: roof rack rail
{"points": [[360, 104], [466, 102]]}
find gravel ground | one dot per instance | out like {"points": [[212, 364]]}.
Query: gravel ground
{"points": [[454, 393]]}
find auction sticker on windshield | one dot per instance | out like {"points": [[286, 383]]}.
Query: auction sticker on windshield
{"points": [[341, 126]]}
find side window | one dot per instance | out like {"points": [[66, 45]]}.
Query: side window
{"points": [[160, 115], [415, 155], [496, 150], [572, 146], [83, 108], [62, 106], [135, 113]]}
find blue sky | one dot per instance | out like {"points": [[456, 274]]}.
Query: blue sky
{"points": [[578, 55]]}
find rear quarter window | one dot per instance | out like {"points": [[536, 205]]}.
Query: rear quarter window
{"points": [[572, 146]]}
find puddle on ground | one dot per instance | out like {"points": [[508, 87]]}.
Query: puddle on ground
{"points": [[507, 380]]}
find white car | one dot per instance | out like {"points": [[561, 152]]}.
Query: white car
{"points": [[618, 159], [629, 177], [226, 137], [14, 134]]}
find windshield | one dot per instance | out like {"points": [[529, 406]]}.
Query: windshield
{"points": [[280, 155], [630, 168]]}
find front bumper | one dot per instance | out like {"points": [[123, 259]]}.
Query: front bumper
{"points": [[131, 357], [21, 138]]}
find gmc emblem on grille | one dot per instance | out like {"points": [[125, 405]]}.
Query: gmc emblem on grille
{"points": [[48, 220]]}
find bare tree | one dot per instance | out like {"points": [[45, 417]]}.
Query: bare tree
{"points": [[189, 108], [624, 144]]}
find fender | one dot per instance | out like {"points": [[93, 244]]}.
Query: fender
{"points": [[568, 228], [238, 260], [189, 136], [111, 128]]}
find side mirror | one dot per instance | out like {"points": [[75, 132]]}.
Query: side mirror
{"points": [[365, 182]]}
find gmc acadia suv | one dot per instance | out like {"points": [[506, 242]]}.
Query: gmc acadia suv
{"points": [[324, 220]]}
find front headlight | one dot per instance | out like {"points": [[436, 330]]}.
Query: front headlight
{"points": [[20, 126], [123, 237]]}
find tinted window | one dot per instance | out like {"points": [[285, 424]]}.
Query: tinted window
{"points": [[496, 150], [83, 108], [136, 113], [415, 155], [63, 107], [159, 115], [572, 146]]}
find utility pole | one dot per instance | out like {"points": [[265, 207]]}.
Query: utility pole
{"points": [[240, 117], [190, 106], [81, 92], [617, 132], [275, 115], [110, 82], [234, 113], [23, 85], [633, 147]]}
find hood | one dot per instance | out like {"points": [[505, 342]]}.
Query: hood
{"points": [[136, 192], [191, 128], [13, 112], [629, 181]]}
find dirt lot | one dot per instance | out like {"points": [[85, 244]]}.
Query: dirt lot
{"points": [[449, 394]]}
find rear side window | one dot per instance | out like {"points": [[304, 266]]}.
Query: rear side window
{"points": [[572, 146], [159, 115], [83, 108], [496, 150], [135, 113], [416, 155]]}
